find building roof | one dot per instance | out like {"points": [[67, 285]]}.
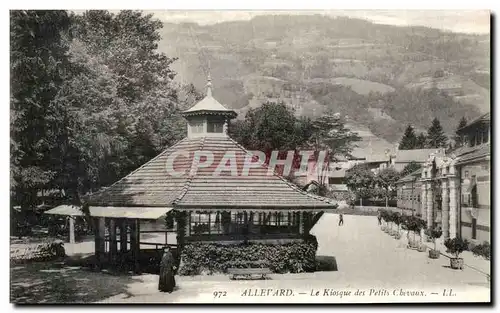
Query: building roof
{"points": [[416, 155], [473, 153], [483, 118], [209, 105], [70, 210], [411, 177], [337, 173], [152, 185]]}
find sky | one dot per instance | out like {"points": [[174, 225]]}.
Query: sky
{"points": [[467, 21]]}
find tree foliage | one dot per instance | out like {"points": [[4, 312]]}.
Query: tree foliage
{"points": [[92, 99], [273, 126], [329, 133], [436, 137], [360, 180], [409, 140], [386, 180], [421, 141], [39, 64]]}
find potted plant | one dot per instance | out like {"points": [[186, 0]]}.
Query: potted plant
{"points": [[419, 226], [483, 250], [388, 220], [404, 225], [383, 216], [434, 233], [456, 246], [393, 218], [397, 220], [411, 225]]}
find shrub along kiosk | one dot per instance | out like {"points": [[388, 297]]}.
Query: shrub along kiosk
{"points": [[232, 200]]}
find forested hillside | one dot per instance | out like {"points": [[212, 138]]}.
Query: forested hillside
{"points": [[382, 76]]}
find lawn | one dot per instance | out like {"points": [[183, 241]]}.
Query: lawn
{"points": [[54, 282]]}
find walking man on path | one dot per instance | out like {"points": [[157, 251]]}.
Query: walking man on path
{"points": [[341, 219], [379, 216]]}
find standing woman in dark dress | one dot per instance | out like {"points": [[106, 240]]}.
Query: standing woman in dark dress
{"points": [[167, 279]]}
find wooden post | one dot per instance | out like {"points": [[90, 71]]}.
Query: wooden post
{"points": [[300, 220], [137, 246], [133, 239], [123, 236], [99, 240], [71, 229], [307, 222], [113, 245]]}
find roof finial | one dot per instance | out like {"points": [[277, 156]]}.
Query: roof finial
{"points": [[209, 86]]}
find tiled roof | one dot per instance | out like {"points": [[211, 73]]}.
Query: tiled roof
{"points": [[208, 104], [416, 155], [152, 185], [411, 176], [473, 153]]}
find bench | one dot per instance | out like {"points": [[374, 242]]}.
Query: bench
{"points": [[249, 273]]}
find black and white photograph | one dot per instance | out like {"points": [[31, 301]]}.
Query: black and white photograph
{"points": [[250, 156]]}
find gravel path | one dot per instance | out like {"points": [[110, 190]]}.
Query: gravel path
{"points": [[372, 267]]}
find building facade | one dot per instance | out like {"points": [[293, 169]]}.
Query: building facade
{"points": [[409, 193], [455, 189], [401, 158]]}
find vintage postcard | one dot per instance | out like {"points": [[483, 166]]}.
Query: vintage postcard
{"points": [[250, 156]]}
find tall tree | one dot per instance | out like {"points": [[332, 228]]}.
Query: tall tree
{"points": [[330, 134], [38, 124], [421, 141], [409, 140], [435, 135], [360, 180], [386, 180], [123, 103], [273, 126], [459, 139]]}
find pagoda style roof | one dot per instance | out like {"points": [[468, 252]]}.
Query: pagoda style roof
{"points": [[209, 105], [152, 185]]}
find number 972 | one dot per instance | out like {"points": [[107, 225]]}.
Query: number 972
{"points": [[219, 294]]}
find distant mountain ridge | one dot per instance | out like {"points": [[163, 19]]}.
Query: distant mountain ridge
{"points": [[377, 74]]}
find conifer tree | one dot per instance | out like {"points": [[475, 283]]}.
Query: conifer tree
{"points": [[459, 139], [435, 135], [421, 140], [409, 140]]}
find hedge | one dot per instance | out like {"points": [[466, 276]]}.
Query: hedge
{"points": [[210, 258]]}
